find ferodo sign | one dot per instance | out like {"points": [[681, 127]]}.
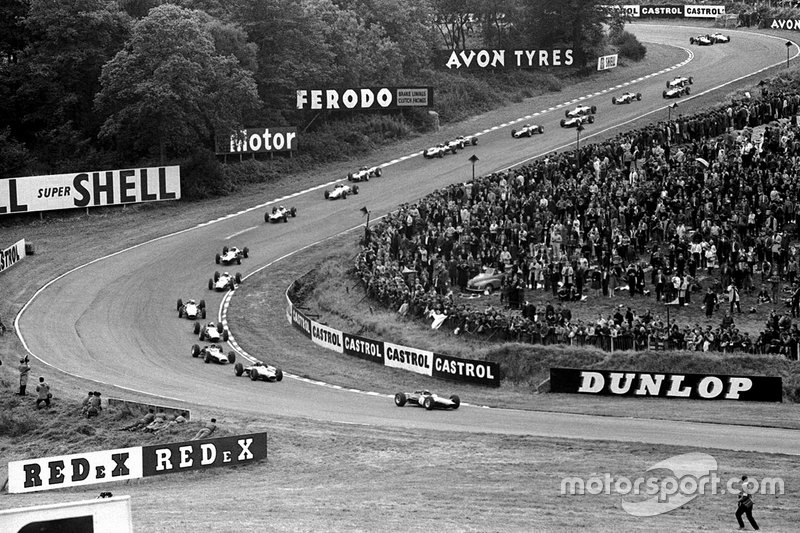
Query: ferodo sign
{"points": [[456, 369], [695, 386], [662, 11], [206, 453], [411, 359], [326, 337], [89, 189], [363, 348], [507, 59], [259, 140], [74, 470], [708, 12], [785, 24], [365, 98], [12, 255]]}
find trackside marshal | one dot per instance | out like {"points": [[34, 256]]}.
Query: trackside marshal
{"points": [[89, 189]]}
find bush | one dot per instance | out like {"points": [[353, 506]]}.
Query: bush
{"points": [[630, 47], [202, 177]]}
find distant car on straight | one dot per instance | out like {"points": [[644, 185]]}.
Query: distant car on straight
{"points": [[680, 81], [574, 122], [701, 40], [232, 255], [365, 173], [581, 111], [258, 372], [211, 332], [676, 92], [224, 281], [440, 150], [191, 309], [342, 190], [462, 141], [720, 38], [626, 98], [279, 214], [213, 353], [427, 399], [528, 130]]}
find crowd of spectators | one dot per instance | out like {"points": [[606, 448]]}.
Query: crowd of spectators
{"points": [[708, 201]]}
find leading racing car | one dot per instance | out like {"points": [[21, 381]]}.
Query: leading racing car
{"points": [[626, 98], [462, 141], [211, 332], [224, 282], [528, 130], [342, 191], [701, 40], [720, 38], [426, 399], [676, 92], [259, 372], [574, 122], [680, 81], [580, 111], [231, 255], [213, 353], [279, 214], [191, 309], [365, 173]]}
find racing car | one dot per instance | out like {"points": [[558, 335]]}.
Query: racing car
{"points": [[341, 191], [224, 281], [211, 332], [280, 214], [426, 399], [675, 92], [462, 141], [232, 254], [626, 98], [365, 173], [701, 40], [574, 122], [440, 150], [213, 353], [580, 111], [528, 130], [720, 38], [680, 81], [259, 372], [191, 309]]}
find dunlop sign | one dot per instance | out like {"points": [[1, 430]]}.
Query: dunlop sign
{"points": [[89, 189], [607, 62], [12, 255], [365, 98]]}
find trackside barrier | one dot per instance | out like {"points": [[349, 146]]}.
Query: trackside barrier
{"points": [[102, 515], [13, 254], [415, 360], [139, 408]]}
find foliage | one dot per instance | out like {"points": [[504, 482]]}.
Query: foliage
{"points": [[630, 47], [13, 154]]}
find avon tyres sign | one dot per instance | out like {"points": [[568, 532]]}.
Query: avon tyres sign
{"points": [[206, 453], [12, 255], [504, 59], [708, 12], [89, 189], [362, 347], [695, 386], [662, 11], [74, 470], [365, 98], [456, 369], [411, 359], [785, 24], [259, 140]]}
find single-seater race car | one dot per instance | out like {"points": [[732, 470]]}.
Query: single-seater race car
{"points": [[701, 40], [426, 399], [365, 173], [676, 92], [224, 281], [574, 122], [341, 191], [528, 130], [213, 354], [580, 111], [279, 214], [232, 255], [720, 38], [462, 141], [680, 81], [440, 150], [191, 309], [626, 98], [259, 372], [211, 332]]}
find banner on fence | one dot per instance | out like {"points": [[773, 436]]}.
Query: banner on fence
{"points": [[607, 62]]}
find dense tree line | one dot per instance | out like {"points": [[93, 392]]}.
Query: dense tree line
{"points": [[116, 82]]}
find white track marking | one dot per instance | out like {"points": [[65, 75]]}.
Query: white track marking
{"points": [[240, 232]]}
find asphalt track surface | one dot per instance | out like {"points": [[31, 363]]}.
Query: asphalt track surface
{"points": [[114, 320]]}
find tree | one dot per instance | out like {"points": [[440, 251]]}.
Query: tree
{"points": [[170, 91]]}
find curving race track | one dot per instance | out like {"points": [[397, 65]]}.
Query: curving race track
{"points": [[142, 345]]}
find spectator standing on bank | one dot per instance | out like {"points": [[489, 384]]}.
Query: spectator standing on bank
{"points": [[710, 302], [43, 393], [94, 405], [733, 297], [24, 370], [207, 429], [745, 507]]}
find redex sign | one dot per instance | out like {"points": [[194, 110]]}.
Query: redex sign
{"points": [[206, 453], [89, 189], [411, 359], [662, 11], [694, 386], [12, 255], [457, 369], [73, 470], [364, 348], [256, 140], [365, 98]]}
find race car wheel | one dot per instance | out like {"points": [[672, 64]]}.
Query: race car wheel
{"points": [[594, 109], [691, 40], [327, 195], [238, 369], [224, 249], [220, 328], [285, 218], [216, 276], [203, 313], [274, 209], [238, 260], [344, 196], [238, 278], [664, 94], [231, 357], [566, 113], [638, 96], [180, 303], [211, 284], [428, 403], [225, 336], [474, 141], [456, 401], [563, 122], [349, 177], [180, 313], [207, 358], [378, 172], [541, 129], [293, 212], [196, 328], [691, 80], [688, 90], [590, 119], [613, 100], [440, 155], [279, 375], [400, 399], [195, 350], [246, 252], [202, 334], [253, 375], [514, 134], [355, 189], [266, 217], [202, 304]]}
